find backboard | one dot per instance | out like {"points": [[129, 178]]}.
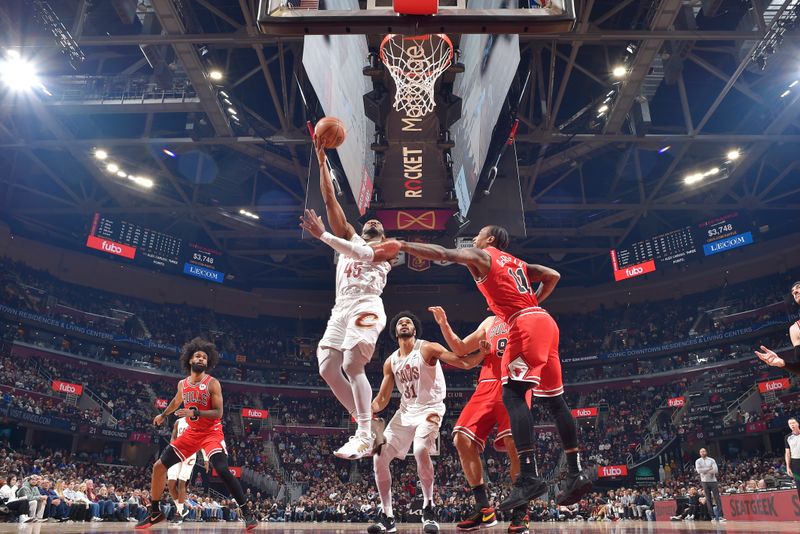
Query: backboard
{"points": [[323, 17]]}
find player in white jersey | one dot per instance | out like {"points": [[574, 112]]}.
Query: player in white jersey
{"points": [[357, 318], [416, 369], [178, 475]]}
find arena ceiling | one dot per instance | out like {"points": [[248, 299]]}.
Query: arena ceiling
{"points": [[714, 74]]}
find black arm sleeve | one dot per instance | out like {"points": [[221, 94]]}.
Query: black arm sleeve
{"points": [[793, 367]]}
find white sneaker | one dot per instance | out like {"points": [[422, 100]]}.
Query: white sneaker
{"points": [[24, 518], [357, 447], [722, 520]]}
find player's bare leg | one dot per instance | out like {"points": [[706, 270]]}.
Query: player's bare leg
{"points": [[470, 456], [157, 481]]}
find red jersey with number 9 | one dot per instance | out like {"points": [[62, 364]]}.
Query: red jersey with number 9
{"points": [[506, 287], [497, 337]]}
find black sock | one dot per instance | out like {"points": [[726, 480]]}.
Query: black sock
{"points": [[573, 462], [527, 464], [481, 499], [155, 507]]}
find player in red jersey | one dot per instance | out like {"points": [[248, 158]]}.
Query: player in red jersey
{"points": [[480, 415], [201, 396], [530, 361]]}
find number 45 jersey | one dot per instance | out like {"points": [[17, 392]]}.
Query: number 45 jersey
{"points": [[421, 386], [356, 278]]}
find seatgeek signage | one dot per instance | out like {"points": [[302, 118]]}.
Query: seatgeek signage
{"points": [[729, 243], [612, 471], [111, 247], [67, 387], [632, 271]]}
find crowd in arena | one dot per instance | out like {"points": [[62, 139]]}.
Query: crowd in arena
{"points": [[79, 487]]}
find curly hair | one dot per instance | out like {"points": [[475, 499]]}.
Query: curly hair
{"points": [[195, 345], [414, 319]]}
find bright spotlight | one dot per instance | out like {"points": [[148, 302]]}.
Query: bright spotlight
{"points": [[603, 108], [785, 93], [100, 154], [18, 74], [112, 167], [122, 174], [733, 155], [142, 181], [168, 152], [215, 75], [664, 149], [619, 71], [232, 111]]}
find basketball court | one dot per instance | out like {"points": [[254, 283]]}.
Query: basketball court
{"points": [[333, 528]]}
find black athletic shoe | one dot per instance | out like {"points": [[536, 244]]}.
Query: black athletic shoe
{"points": [[382, 525], [150, 520], [483, 518], [429, 524], [574, 487], [250, 521], [524, 490], [519, 521], [177, 519]]}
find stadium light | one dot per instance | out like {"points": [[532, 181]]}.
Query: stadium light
{"points": [[122, 174], [249, 214], [664, 149], [619, 71], [733, 155], [785, 93], [112, 167], [603, 108], [215, 74], [18, 74], [168, 152], [142, 181], [100, 154]]}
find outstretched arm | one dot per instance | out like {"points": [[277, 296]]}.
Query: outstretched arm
{"points": [[339, 225], [435, 351], [772, 359], [375, 252], [547, 278], [460, 346], [475, 259], [385, 391]]}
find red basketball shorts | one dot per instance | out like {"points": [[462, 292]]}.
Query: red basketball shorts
{"points": [[532, 352], [209, 441], [482, 412]]}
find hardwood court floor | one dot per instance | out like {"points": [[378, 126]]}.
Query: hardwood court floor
{"points": [[627, 527]]}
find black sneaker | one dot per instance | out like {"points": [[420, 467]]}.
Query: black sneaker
{"points": [[383, 524], [429, 524], [525, 489], [150, 520], [574, 487], [519, 521], [250, 521], [177, 519], [483, 518]]}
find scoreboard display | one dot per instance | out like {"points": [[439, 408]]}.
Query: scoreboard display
{"points": [[707, 238], [154, 249]]}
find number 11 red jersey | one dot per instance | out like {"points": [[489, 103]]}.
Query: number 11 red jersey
{"points": [[506, 286]]}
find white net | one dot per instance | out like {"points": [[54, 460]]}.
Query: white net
{"points": [[415, 64]]}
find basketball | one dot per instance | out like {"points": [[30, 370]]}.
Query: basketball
{"points": [[330, 131]]}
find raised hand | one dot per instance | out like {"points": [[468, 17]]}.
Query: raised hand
{"points": [[769, 357], [438, 315], [320, 150], [485, 347], [312, 223]]}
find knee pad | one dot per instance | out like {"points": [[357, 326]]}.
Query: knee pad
{"points": [[169, 457]]}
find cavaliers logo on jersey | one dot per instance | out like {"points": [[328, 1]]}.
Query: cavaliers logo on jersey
{"points": [[367, 320]]}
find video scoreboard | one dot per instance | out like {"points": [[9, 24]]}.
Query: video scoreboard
{"points": [[154, 249], [677, 246]]}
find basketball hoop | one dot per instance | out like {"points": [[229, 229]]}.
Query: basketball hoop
{"points": [[415, 64]]}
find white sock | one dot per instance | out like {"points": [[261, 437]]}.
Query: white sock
{"points": [[383, 480], [361, 391], [179, 506], [330, 368], [425, 472]]}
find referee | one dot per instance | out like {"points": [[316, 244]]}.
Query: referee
{"points": [[792, 442]]}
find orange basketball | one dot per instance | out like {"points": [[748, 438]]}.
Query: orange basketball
{"points": [[330, 131]]}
